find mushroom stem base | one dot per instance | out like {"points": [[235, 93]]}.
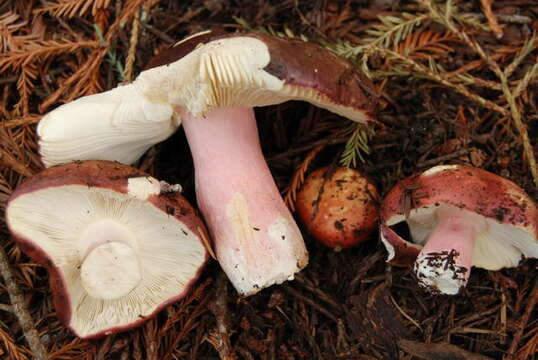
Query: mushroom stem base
{"points": [[110, 271], [110, 266], [445, 262], [256, 239]]}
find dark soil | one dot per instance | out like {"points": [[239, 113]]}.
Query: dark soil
{"points": [[344, 305]]}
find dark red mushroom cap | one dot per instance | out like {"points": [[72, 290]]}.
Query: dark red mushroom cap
{"points": [[67, 217], [511, 215], [306, 71]]}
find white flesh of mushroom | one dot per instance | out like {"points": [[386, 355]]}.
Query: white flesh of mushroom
{"points": [[118, 125]]}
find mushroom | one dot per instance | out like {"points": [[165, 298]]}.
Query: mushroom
{"points": [[118, 248], [457, 217], [339, 206], [213, 81], [118, 125]]}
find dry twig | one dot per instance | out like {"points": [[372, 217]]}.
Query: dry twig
{"points": [[20, 310], [493, 24], [131, 56], [220, 336], [297, 179], [531, 304]]}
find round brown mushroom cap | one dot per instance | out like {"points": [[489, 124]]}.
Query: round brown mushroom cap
{"points": [[249, 69], [339, 206], [44, 213], [511, 214]]}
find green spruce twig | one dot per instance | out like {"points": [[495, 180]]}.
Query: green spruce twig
{"points": [[356, 145], [111, 54]]}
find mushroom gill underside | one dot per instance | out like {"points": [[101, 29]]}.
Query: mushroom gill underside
{"points": [[168, 254]]}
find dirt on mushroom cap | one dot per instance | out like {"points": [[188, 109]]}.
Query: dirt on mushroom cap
{"points": [[339, 206]]}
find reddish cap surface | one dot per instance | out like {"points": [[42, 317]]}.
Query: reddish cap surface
{"points": [[511, 214], [309, 72]]}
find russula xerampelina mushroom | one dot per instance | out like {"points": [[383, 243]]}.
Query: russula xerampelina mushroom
{"points": [[458, 217], [210, 84], [338, 206], [118, 244]]}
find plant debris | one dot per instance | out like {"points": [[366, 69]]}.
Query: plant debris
{"points": [[458, 83]]}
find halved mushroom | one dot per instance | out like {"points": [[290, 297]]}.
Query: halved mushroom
{"points": [[117, 248], [458, 217], [213, 81]]}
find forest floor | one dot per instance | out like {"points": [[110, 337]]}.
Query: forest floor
{"points": [[457, 83]]}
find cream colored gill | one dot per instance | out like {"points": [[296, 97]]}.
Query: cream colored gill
{"points": [[224, 72], [117, 125], [229, 72], [388, 246], [169, 253]]}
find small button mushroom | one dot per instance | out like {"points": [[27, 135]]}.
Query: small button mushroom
{"points": [[339, 206], [117, 244], [458, 217], [210, 83]]}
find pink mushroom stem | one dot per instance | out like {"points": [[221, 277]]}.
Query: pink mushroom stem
{"points": [[255, 237], [444, 263]]}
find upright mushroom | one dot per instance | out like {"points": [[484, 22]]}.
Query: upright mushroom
{"points": [[213, 81], [458, 217], [118, 244]]}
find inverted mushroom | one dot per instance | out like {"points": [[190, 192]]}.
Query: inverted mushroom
{"points": [[458, 217], [213, 82], [118, 248]]}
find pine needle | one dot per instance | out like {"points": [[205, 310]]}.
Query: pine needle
{"points": [[41, 50], [525, 50], [492, 20], [81, 82], [388, 34], [356, 145], [445, 18], [426, 44], [298, 177], [393, 30], [20, 121], [529, 76], [25, 87], [5, 192], [15, 352], [71, 8], [9, 24], [286, 32], [111, 54]]}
